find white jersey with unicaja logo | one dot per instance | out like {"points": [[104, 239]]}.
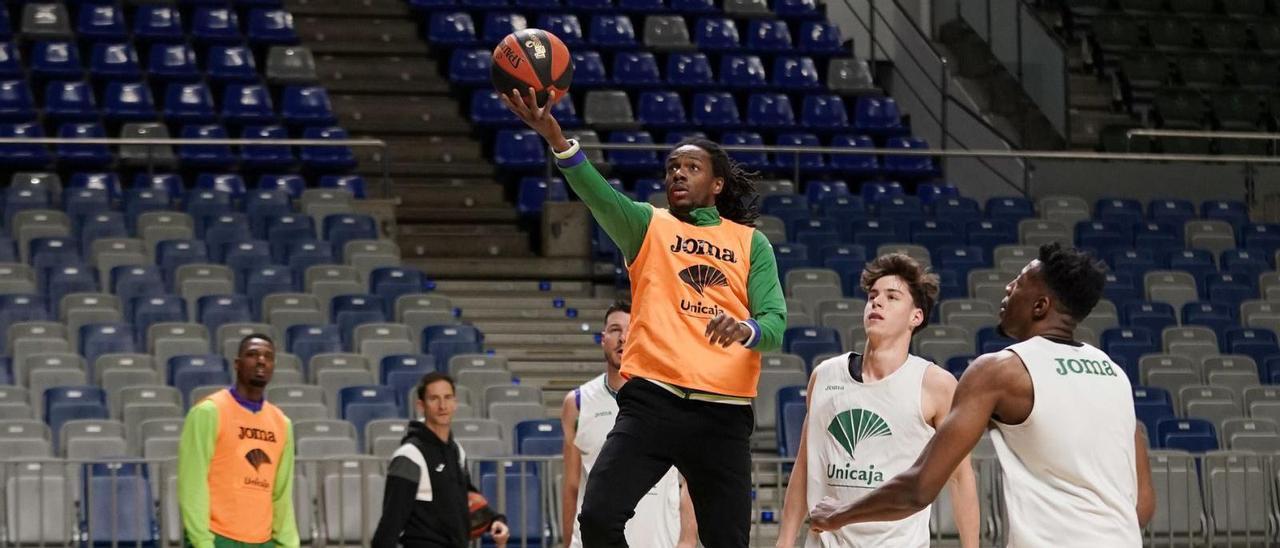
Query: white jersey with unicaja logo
{"points": [[1070, 478], [859, 436], [657, 519]]}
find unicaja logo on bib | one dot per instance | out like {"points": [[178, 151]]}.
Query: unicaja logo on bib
{"points": [[848, 429], [701, 276]]}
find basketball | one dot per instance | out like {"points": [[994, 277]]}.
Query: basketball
{"points": [[531, 58], [480, 513]]}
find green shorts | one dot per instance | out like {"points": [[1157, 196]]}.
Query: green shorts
{"points": [[224, 542]]}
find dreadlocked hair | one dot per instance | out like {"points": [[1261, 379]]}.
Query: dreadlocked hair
{"points": [[738, 201]]}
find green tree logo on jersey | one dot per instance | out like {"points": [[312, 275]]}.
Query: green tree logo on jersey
{"points": [[855, 425]]}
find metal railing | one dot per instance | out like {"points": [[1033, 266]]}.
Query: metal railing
{"points": [[151, 146], [1224, 498]]}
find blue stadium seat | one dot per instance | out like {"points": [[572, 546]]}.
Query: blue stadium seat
{"points": [[261, 281], [660, 109], [797, 9], [715, 110], [171, 254], [361, 404], [189, 104], [896, 209], [16, 104], [1103, 236], [689, 70], [452, 29], [1124, 212], [814, 233], [227, 64], [10, 62], [535, 190], [539, 437], [70, 102], [796, 74], [266, 157], [352, 183], [790, 256], [271, 27], [98, 339], [1171, 211], [770, 111], [497, 25], [350, 311], [588, 70], [429, 5], [789, 207], [108, 62], [566, 114], [166, 185], [342, 228], [403, 371], [230, 184], [118, 501], [128, 102], [306, 106], [844, 257], [819, 191], [809, 342], [931, 192], [791, 411], [989, 234], [391, 282], [23, 308], [84, 156], [612, 32], [566, 27], [878, 116], [445, 341], [487, 110], [206, 156], [158, 24], [20, 199], [1160, 237], [301, 254], [215, 25], [1126, 345], [206, 203], [524, 511], [716, 34], [261, 205], [646, 187], [808, 161], [107, 224], [910, 167], [589, 5], [50, 60], [78, 202], [27, 155], [1231, 211], [820, 38], [191, 371], [1245, 263], [1121, 288], [105, 180], [1216, 316], [1153, 317], [58, 282], [862, 165], [1134, 262], [641, 6], [55, 253], [306, 341], [1012, 209], [1151, 404], [1199, 262], [65, 403], [1193, 435], [742, 72], [289, 229], [146, 311], [327, 158], [1229, 289], [247, 104], [768, 36], [842, 206], [133, 281], [636, 69], [957, 209], [214, 311], [823, 112], [1261, 238], [632, 160], [1256, 343], [247, 255], [218, 231], [960, 259], [291, 185], [101, 23], [989, 340]]}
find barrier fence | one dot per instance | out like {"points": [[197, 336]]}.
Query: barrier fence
{"points": [[1218, 498]]}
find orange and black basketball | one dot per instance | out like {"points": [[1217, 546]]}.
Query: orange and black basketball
{"points": [[531, 58], [481, 516]]}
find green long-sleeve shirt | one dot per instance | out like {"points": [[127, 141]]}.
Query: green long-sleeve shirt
{"points": [[626, 222], [195, 452]]}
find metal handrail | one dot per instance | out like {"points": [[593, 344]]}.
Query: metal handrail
{"points": [[181, 141], [1201, 134]]}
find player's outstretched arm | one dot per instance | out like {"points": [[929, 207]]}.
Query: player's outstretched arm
{"points": [[624, 220], [572, 480], [1146, 493], [794, 505], [907, 493], [940, 391]]}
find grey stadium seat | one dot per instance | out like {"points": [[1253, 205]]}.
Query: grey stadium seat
{"points": [[477, 380], [143, 155], [1194, 342], [666, 33], [772, 380], [46, 517], [91, 439], [290, 65], [159, 437], [46, 20], [778, 361], [1210, 234], [140, 403], [849, 76], [747, 8], [512, 393], [227, 339], [1066, 209], [608, 109], [14, 403], [367, 255], [1175, 287], [17, 279], [322, 438], [329, 281], [473, 429], [512, 413], [352, 496], [943, 342], [108, 253], [1039, 231], [1239, 492], [1179, 507], [382, 436], [319, 203]]}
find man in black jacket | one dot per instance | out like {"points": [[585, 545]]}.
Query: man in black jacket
{"points": [[425, 502]]}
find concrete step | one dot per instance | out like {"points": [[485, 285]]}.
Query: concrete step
{"points": [[559, 340], [349, 8], [535, 314], [1089, 92], [476, 214], [547, 301], [446, 156], [1087, 125], [390, 36], [530, 268], [514, 244], [565, 357], [409, 75], [512, 288], [455, 230], [563, 327], [409, 114]]}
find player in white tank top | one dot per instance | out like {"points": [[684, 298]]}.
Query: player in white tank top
{"points": [[869, 417], [663, 517], [1075, 465]]}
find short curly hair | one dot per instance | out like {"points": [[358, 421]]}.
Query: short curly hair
{"points": [[922, 283], [1075, 278]]}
